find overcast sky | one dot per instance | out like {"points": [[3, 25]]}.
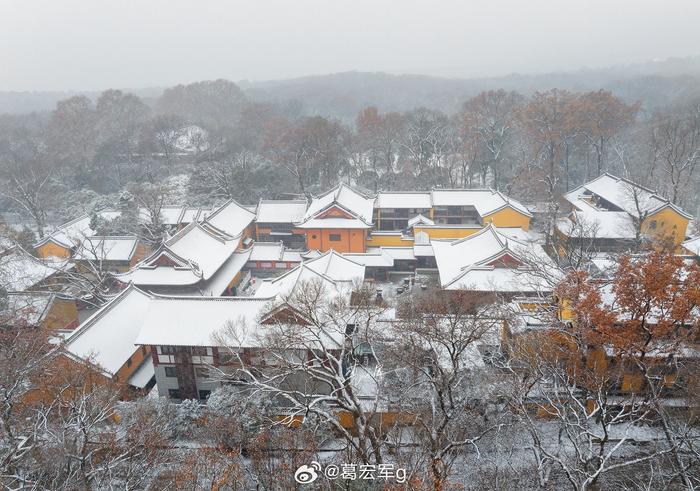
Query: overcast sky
{"points": [[97, 44]]}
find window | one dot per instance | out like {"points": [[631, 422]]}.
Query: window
{"points": [[167, 350], [203, 394], [334, 237], [128, 363], [201, 372], [227, 357], [170, 372], [199, 350], [174, 393]]}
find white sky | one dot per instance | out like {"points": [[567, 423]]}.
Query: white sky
{"points": [[96, 44]]}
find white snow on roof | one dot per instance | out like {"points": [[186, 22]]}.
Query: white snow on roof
{"points": [[107, 337], [30, 307], [420, 219], [273, 251], [20, 271], [403, 200], [203, 246], [590, 223], [170, 215], [231, 217], [195, 253], [395, 252], [99, 248], [345, 197], [194, 321], [288, 282], [330, 268], [218, 283], [693, 245], [72, 233], [143, 374], [469, 263], [423, 250], [280, 211], [336, 267], [624, 194], [191, 214], [373, 259], [486, 201], [144, 275], [334, 222]]}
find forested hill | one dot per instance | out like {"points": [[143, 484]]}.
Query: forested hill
{"points": [[343, 95]]}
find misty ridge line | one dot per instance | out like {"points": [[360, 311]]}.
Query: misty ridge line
{"points": [[655, 83]]}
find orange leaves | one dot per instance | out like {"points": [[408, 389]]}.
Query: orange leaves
{"points": [[651, 302]]}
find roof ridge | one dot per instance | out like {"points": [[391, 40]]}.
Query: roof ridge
{"points": [[102, 311]]}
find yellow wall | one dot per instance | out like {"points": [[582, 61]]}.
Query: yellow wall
{"points": [[52, 249], [63, 315], [508, 217], [446, 233], [669, 224], [393, 240]]}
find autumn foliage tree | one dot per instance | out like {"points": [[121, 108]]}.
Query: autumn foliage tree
{"points": [[646, 319]]}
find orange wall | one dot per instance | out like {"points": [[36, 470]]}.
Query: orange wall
{"points": [[351, 240], [126, 371], [51, 249], [140, 252]]}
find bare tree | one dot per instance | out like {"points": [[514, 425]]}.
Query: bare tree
{"points": [[313, 369], [439, 379]]}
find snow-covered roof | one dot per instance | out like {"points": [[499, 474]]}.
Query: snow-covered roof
{"points": [[485, 201], [107, 337], [420, 220], [589, 222], [29, 307], [218, 283], [395, 252], [489, 261], [173, 215], [345, 198], [331, 269], [336, 267], [423, 250], [100, 248], [193, 254], [287, 283], [375, 259], [334, 222], [396, 200], [692, 245], [206, 321], [204, 246], [143, 374], [194, 321], [274, 251], [231, 217], [20, 271], [623, 194], [280, 211], [73, 232]]}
